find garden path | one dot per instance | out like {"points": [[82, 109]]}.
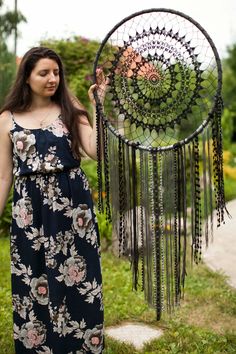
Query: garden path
{"points": [[221, 253]]}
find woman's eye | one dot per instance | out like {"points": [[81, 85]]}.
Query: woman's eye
{"points": [[43, 73]]}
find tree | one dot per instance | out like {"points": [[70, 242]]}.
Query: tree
{"points": [[8, 25], [8, 22], [229, 89]]}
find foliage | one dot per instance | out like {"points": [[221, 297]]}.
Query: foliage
{"points": [[9, 21], [229, 89], [8, 24], [90, 168], [227, 124], [7, 71], [229, 82], [205, 322], [105, 230], [230, 172]]}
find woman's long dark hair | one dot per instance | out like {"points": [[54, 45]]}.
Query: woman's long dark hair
{"points": [[19, 98]]}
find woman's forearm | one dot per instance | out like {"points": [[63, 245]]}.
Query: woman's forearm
{"points": [[5, 187], [101, 88]]}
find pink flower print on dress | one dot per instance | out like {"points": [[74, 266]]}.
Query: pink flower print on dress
{"points": [[39, 289], [80, 222], [25, 217], [73, 271], [49, 157], [82, 219], [22, 212], [58, 128], [19, 145], [93, 339], [32, 334], [24, 144], [75, 274], [33, 338]]}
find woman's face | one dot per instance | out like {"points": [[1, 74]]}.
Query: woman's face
{"points": [[44, 78]]}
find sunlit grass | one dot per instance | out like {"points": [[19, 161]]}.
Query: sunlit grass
{"points": [[6, 323]]}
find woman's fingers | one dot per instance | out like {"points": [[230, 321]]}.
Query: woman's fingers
{"points": [[100, 86], [91, 93], [100, 77]]}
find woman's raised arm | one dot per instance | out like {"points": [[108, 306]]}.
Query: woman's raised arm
{"points": [[88, 133]]}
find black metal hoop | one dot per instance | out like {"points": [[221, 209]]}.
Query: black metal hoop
{"points": [[215, 100]]}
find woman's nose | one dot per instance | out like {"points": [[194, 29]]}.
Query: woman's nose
{"points": [[52, 77]]}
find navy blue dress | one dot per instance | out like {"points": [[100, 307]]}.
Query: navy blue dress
{"points": [[55, 247]]}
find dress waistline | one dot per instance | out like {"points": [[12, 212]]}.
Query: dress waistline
{"points": [[47, 173]]}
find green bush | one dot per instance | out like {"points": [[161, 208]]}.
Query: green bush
{"points": [[227, 127], [7, 71]]}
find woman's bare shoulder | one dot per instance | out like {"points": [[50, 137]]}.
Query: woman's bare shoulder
{"points": [[5, 121]]}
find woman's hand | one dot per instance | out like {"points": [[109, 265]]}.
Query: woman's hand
{"points": [[100, 87]]}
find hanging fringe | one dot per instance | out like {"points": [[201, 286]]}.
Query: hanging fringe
{"points": [[106, 170], [156, 200], [156, 234], [134, 234], [205, 194], [100, 152], [184, 209], [197, 239], [122, 196], [218, 161]]}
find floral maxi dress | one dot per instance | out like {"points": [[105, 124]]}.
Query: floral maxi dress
{"points": [[55, 253]]}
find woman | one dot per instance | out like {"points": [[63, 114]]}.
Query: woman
{"points": [[55, 260]]}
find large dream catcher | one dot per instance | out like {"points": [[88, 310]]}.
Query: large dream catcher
{"points": [[159, 147]]}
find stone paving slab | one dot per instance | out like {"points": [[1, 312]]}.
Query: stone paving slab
{"points": [[221, 253], [134, 333]]}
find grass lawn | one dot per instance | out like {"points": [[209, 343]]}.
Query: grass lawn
{"points": [[204, 324]]}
